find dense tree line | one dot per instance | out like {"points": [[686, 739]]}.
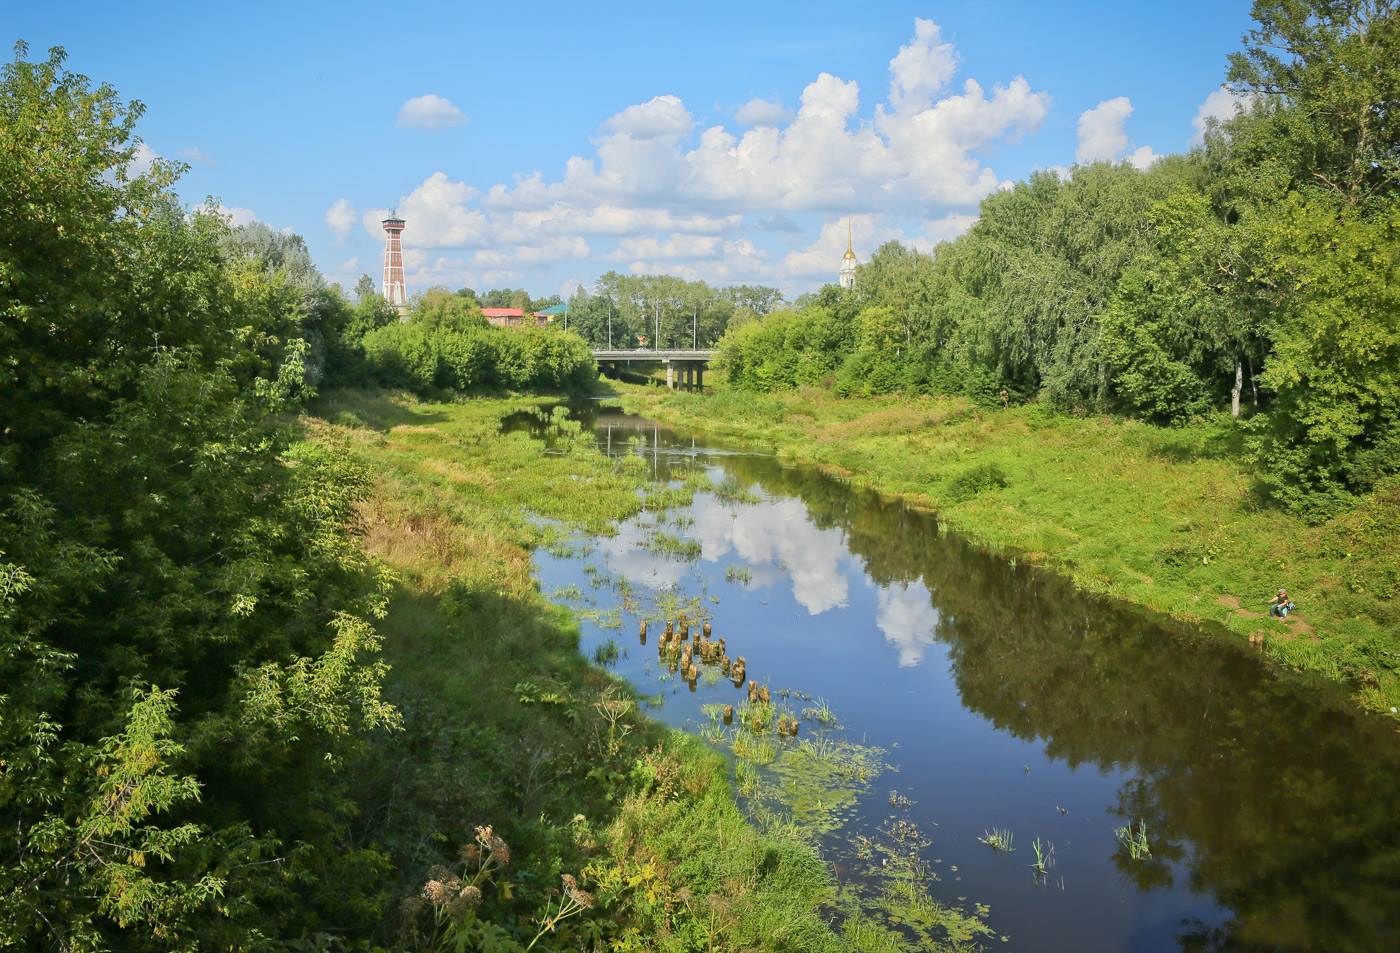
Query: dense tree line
{"points": [[446, 344], [663, 311], [1259, 273]]}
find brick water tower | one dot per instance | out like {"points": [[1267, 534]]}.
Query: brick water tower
{"points": [[394, 292]]}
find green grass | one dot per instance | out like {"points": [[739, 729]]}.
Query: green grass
{"points": [[1168, 518]]}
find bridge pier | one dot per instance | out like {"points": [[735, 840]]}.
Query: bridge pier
{"points": [[670, 375]]}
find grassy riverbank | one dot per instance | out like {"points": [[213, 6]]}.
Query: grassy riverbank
{"points": [[508, 725], [1167, 518]]}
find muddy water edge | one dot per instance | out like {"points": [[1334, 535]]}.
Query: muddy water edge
{"points": [[982, 752]]}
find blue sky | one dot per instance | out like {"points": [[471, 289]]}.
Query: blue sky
{"points": [[540, 145]]}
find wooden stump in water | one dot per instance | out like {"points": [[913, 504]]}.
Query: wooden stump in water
{"points": [[685, 630], [753, 691], [721, 646], [644, 629], [724, 666], [670, 627], [707, 628], [728, 714], [764, 697]]}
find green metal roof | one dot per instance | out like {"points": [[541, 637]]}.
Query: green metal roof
{"points": [[553, 310]]}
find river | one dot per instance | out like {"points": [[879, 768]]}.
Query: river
{"points": [[982, 699]]}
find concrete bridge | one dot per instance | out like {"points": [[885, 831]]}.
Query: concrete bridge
{"points": [[691, 364]]}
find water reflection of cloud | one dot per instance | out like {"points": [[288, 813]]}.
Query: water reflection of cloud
{"points": [[776, 532], [907, 617], [623, 554]]}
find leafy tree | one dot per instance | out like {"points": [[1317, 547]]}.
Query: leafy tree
{"points": [[184, 636]]}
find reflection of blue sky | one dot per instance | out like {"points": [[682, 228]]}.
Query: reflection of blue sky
{"points": [[773, 534], [907, 617]]}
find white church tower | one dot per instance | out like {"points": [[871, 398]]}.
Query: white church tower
{"points": [[847, 275]]}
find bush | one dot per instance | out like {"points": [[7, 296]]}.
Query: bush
{"points": [[975, 480]]}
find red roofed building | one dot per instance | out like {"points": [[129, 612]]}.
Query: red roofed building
{"points": [[504, 317]]}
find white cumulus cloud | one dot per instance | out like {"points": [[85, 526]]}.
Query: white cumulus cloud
{"points": [[762, 112], [1221, 105], [340, 219], [922, 68], [660, 190], [196, 154], [1102, 137], [429, 112]]}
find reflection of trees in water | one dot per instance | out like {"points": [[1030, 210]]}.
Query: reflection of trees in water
{"points": [[1278, 794]]}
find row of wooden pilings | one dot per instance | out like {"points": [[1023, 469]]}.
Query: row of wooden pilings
{"points": [[683, 652]]}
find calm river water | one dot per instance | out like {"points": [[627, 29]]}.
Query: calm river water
{"points": [[1005, 700]]}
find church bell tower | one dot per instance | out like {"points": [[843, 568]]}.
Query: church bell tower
{"points": [[847, 276]]}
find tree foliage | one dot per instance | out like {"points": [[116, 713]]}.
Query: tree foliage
{"points": [[187, 656], [1262, 264]]}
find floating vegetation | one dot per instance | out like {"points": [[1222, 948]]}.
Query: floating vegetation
{"points": [[713, 712], [757, 749], [997, 839], [891, 907], [679, 519], [899, 800], [611, 619], [1134, 841], [661, 497], [667, 544], [740, 575], [820, 713], [698, 481], [567, 593], [603, 579], [733, 490], [607, 653], [820, 781]]}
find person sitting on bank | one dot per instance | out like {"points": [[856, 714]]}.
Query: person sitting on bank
{"points": [[1280, 606]]}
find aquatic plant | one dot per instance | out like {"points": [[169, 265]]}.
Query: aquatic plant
{"points": [[1134, 841], [754, 748], [733, 490], [820, 713], [1044, 858], [741, 575], [668, 545], [998, 839], [607, 653]]}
